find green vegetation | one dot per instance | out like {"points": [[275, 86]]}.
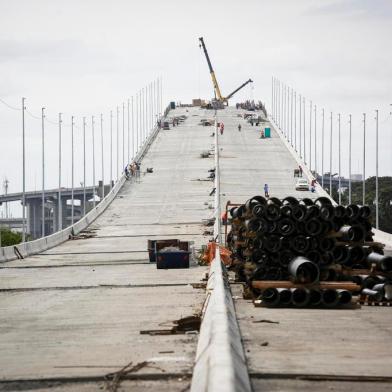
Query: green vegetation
{"points": [[384, 198], [9, 237]]}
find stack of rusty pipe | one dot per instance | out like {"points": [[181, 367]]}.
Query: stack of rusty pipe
{"points": [[307, 242]]}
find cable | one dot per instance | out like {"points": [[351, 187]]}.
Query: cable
{"points": [[32, 115], [9, 106]]}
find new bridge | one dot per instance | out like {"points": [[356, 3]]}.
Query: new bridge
{"points": [[75, 311]]}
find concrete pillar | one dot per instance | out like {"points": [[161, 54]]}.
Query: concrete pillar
{"points": [[55, 218], [99, 190], [64, 213], [34, 209]]}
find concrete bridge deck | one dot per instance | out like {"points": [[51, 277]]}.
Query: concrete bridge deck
{"points": [[73, 314]]}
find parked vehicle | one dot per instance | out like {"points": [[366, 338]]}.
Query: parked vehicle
{"points": [[302, 185]]}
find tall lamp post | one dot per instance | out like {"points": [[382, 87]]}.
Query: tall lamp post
{"points": [[43, 171], [377, 209], [364, 161]]}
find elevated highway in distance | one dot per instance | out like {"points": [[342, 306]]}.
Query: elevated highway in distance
{"points": [[74, 313]]}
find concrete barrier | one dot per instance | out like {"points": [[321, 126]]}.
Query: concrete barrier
{"points": [[29, 248], [220, 359], [380, 236]]}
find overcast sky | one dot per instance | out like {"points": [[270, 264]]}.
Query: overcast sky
{"points": [[86, 57]]}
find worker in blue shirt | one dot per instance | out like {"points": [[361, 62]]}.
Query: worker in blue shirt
{"points": [[266, 190]]}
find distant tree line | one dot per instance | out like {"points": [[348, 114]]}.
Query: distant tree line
{"points": [[384, 199], [9, 237]]}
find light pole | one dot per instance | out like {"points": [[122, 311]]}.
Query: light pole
{"points": [[284, 110], [280, 105], [72, 171], [364, 161], [349, 160], [315, 139], [93, 133], [43, 171], [377, 210], [291, 117], [133, 131], [60, 212], [140, 119], [300, 125], [330, 160], [128, 129], [84, 166], [322, 151], [295, 120], [272, 96], [123, 137], [117, 130], [310, 135], [111, 149], [137, 123], [304, 122], [23, 171], [102, 162], [339, 160]]}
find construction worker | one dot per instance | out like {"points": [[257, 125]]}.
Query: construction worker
{"points": [[266, 190], [224, 217], [313, 186], [239, 127]]}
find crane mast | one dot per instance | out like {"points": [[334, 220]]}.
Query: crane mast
{"points": [[221, 99], [212, 73]]}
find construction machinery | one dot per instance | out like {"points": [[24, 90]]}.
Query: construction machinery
{"points": [[220, 101]]}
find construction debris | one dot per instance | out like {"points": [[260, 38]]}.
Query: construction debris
{"points": [[304, 253]]}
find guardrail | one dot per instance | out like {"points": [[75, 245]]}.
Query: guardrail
{"points": [[380, 236], [220, 359], [29, 248]]}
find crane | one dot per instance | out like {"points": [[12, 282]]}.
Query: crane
{"points": [[218, 95]]}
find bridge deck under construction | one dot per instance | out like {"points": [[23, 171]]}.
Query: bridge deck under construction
{"points": [[74, 313]]}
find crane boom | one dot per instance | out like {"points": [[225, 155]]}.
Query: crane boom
{"points": [[212, 73], [238, 89]]}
